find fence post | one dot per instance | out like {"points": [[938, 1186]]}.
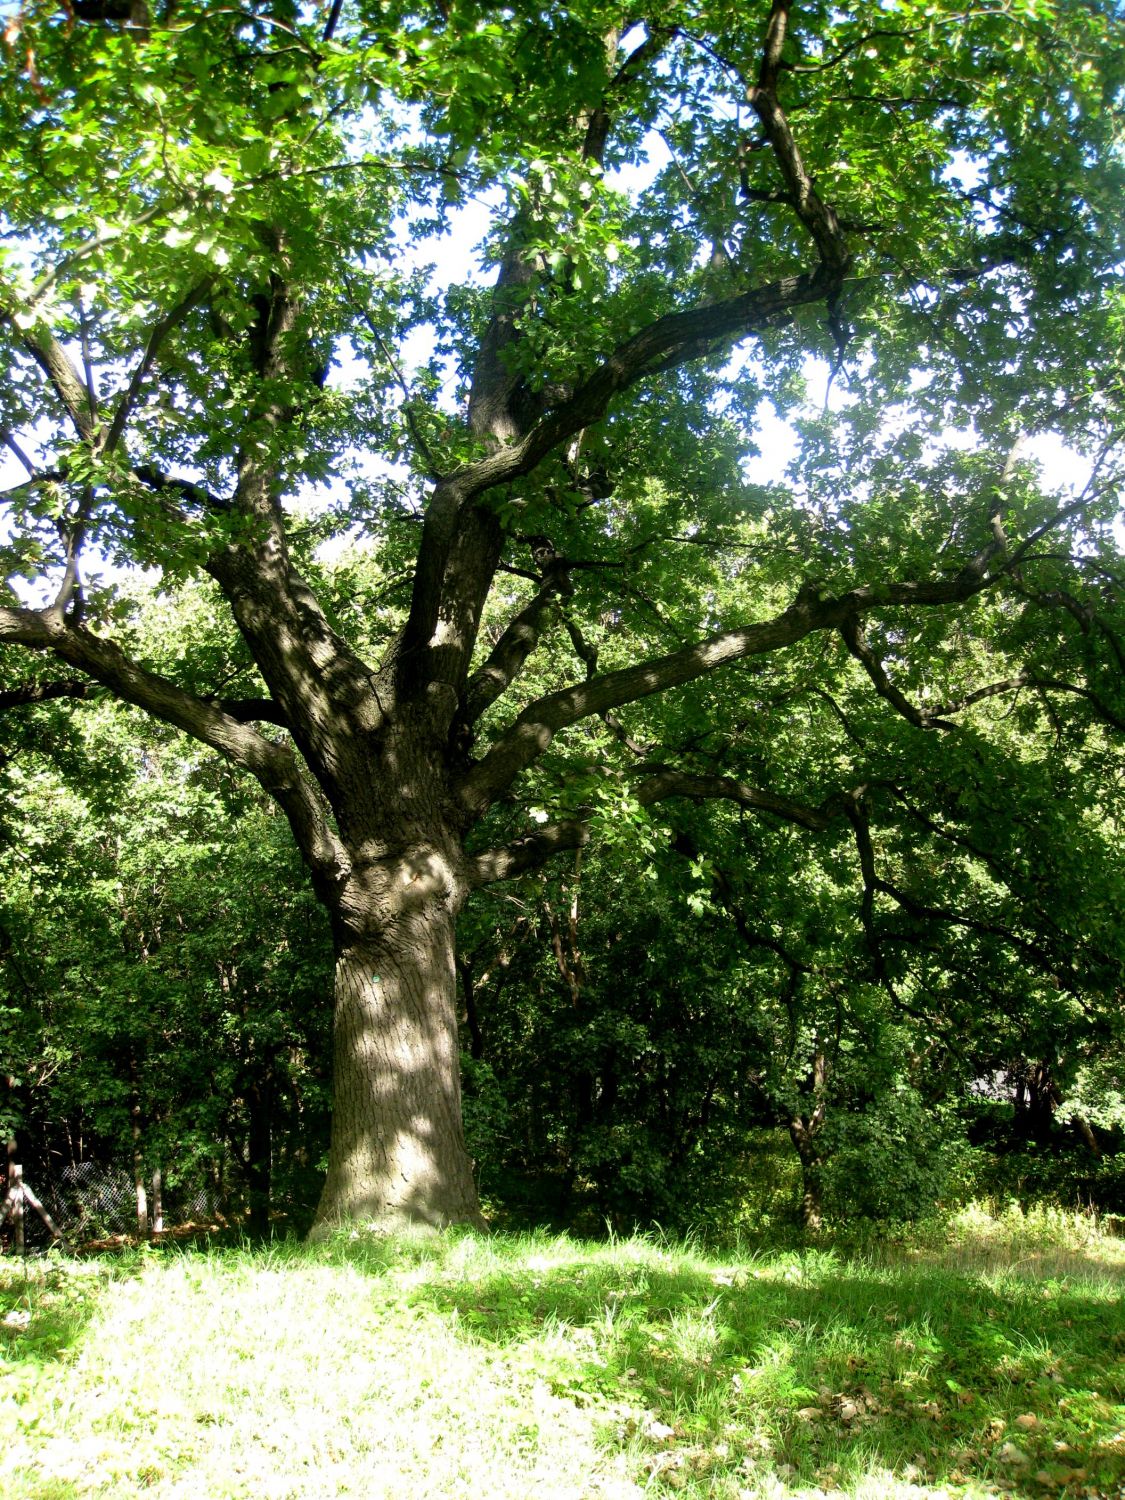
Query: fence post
{"points": [[138, 1163], [15, 1198]]}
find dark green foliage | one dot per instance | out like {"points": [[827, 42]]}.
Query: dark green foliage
{"points": [[164, 975], [844, 740]]}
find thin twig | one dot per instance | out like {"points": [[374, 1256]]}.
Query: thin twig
{"points": [[9, 442], [433, 469]]}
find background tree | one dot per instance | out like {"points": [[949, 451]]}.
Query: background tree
{"points": [[161, 963], [207, 209], [653, 1028]]}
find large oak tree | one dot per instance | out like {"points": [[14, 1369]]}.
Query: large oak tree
{"points": [[215, 302]]}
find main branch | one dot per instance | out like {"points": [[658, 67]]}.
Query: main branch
{"points": [[675, 339], [533, 730], [274, 766]]}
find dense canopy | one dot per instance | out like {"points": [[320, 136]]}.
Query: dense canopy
{"points": [[505, 306]]}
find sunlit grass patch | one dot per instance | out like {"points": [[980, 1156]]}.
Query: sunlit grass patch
{"points": [[228, 1376], [1042, 1242], [540, 1365]]}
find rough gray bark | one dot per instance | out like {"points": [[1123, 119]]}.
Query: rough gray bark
{"points": [[398, 1153]]}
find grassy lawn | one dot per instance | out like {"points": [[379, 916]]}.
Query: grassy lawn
{"points": [[993, 1362]]}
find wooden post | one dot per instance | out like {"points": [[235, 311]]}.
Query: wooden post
{"points": [[157, 1201], [29, 1197], [15, 1198], [15, 1204], [138, 1161], [9, 1205]]}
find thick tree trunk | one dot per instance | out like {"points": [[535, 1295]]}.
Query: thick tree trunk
{"points": [[804, 1130], [398, 1154], [802, 1133]]}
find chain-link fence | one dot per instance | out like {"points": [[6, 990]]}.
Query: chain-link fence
{"points": [[91, 1200]]}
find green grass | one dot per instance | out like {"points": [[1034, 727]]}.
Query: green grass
{"points": [[992, 1361]]}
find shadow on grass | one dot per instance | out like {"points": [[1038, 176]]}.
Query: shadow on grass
{"points": [[45, 1305], [822, 1371]]}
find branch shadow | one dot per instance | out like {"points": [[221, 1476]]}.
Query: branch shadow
{"points": [[823, 1376]]}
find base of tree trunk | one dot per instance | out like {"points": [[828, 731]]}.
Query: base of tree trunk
{"points": [[400, 1227], [397, 1159]]}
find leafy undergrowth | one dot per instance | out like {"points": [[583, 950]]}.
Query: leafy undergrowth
{"points": [[520, 1366]]}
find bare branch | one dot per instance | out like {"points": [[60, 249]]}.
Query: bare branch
{"points": [[1033, 680], [752, 936], [43, 692], [664, 783], [10, 443], [922, 911], [857, 643], [186, 489], [60, 371], [649, 49], [527, 853], [333, 20], [320, 687], [951, 835], [818, 217], [671, 340], [586, 654], [245, 710], [1081, 613], [507, 658], [70, 587], [845, 723], [600, 119], [160, 331], [252, 710], [671, 783]]}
